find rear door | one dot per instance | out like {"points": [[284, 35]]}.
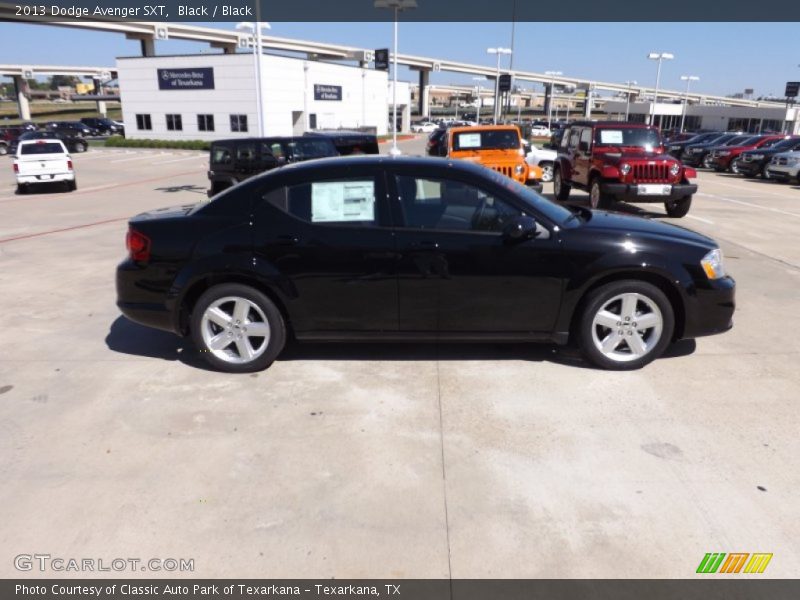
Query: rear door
{"points": [[328, 236]]}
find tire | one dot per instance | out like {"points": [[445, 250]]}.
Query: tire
{"points": [[547, 172], [80, 147], [765, 173], [72, 185], [214, 317], [3, 149], [624, 306], [597, 199], [678, 208], [22, 189], [706, 162], [560, 187]]}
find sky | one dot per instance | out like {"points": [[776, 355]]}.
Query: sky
{"points": [[727, 57]]}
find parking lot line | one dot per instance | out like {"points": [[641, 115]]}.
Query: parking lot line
{"points": [[146, 156], [52, 231], [174, 160], [701, 219], [738, 187], [742, 202]]}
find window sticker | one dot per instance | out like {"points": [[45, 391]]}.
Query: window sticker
{"points": [[338, 201], [610, 136], [469, 140]]}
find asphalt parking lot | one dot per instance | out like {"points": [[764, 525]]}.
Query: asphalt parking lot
{"points": [[390, 461]]}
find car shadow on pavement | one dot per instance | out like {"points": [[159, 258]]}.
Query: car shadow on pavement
{"points": [[127, 337], [50, 187]]}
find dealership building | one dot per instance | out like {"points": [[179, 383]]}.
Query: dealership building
{"points": [[214, 96]]}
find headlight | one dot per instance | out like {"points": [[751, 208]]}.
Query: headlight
{"points": [[712, 264], [519, 169], [757, 156], [792, 160], [624, 168], [696, 150], [674, 169]]}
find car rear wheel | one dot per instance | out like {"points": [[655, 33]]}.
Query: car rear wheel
{"points": [[72, 185], [560, 187], [80, 147], [625, 325], [237, 328], [734, 167], [598, 199], [765, 173], [678, 208], [547, 172], [22, 189], [3, 149], [707, 161]]}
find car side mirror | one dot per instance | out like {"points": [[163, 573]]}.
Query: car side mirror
{"points": [[520, 229]]}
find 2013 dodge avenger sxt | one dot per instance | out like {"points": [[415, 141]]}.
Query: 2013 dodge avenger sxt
{"points": [[398, 248]]}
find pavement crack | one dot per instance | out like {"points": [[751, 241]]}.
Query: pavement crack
{"points": [[444, 468]]}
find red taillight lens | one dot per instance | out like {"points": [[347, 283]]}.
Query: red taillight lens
{"points": [[69, 165], [16, 168], [138, 246]]}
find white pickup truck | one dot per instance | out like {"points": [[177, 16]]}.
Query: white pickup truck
{"points": [[43, 161]]}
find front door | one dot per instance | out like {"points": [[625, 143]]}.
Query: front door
{"points": [[457, 274]]}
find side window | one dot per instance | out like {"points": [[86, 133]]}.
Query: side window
{"points": [[574, 136], [451, 205], [565, 139], [586, 137], [246, 152], [220, 155], [349, 201]]}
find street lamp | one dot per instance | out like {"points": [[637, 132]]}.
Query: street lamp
{"points": [[688, 79], [256, 28], [498, 52], [553, 75], [660, 57], [479, 90], [396, 6], [628, 99]]}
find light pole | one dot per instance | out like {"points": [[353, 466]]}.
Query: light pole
{"points": [[688, 79], [660, 57], [498, 52], [628, 99], [397, 6], [257, 48], [479, 89], [553, 75]]}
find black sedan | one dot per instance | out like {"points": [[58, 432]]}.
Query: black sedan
{"points": [[675, 148], [72, 142], [377, 248], [754, 162], [696, 155]]}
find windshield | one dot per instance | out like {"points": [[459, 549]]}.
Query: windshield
{"points": [[555, 212], [738, 140], [43, 148], [303, 149], [638, 137], [502, 139]]}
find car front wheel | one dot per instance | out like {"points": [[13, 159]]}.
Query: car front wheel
{"points": [[678, 208], [598, 199], [547, 172], [237, 328], [560, 187], [625, 325]]}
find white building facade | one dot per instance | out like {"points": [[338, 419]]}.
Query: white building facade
{"points": [[213, 96]]}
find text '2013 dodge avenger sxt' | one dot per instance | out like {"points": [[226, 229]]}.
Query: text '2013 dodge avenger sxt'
{"points": [[398, 248]]}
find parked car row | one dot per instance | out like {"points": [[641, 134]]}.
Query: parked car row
{"points": [[72, 133]]}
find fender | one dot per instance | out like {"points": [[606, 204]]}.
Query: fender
{"points": [[565, 167], [610, 265]]}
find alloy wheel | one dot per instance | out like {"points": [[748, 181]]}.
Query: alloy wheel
{"points": [[547, 173], [235, 330], [627, 327]]}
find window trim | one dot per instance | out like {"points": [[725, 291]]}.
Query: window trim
{"points": [[174, 121], [144, 119], [237, 118], [204, 118]]}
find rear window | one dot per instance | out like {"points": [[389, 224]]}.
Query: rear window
{"points": [[220, 155], [303, 149], [44, 148], [504, 139]]}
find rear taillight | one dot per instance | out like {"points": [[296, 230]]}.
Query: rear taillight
{"points": [[138, 246], [16, 168], [69, 165]]}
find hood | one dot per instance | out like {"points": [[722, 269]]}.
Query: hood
{"points": [[633, 155], [608, 221]]}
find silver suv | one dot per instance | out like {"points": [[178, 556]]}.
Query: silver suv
{"points": [[785, 166]]}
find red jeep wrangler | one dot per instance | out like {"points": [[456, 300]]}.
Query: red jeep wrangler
{"points": [[613, 160]]}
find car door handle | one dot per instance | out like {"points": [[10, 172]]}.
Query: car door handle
{"points": [[427, 244], [288, 240]]}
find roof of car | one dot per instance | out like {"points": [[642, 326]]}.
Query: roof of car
{"points": [[385, 160], [610, 124], [474, 128]]}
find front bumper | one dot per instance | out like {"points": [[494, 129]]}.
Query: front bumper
{"points": [[750, 169], [710, 309], [693, 160], [536, 186], [783, 171], [629, 192], [720, 162]]}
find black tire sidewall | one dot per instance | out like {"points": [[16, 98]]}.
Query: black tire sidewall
{"points": [[563, 192], [274, 317], [679, 208], [600, 296]]}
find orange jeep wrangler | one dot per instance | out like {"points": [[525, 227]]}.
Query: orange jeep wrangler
{"points": [[498, 147]]}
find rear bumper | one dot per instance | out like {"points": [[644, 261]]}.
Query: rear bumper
{"points": [[139, 302], [48, 178], [710, 310], [630, 192]]}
